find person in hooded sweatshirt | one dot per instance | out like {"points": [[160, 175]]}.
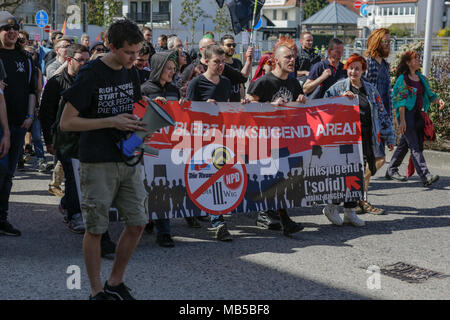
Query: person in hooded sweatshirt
{"points": [[159, 87]]}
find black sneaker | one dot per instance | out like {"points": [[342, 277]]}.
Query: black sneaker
{"points": [[287, 225], [165, 240], [192, 222], [101, 296], [222, 233], [8, 230], [149, 227], [108, 248], [21, 165], [266, 220], [430, 180], [120, 292]]}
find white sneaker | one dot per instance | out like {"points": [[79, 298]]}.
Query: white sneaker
{"points": [[350, 217], [331, 211]]}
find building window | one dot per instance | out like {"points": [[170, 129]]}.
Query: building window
{"points": [[146, 7], [286, 15], [164, 6], [413, 10], [274, 14], [133, 7]]}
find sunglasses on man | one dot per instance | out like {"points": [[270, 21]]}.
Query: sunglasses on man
{"points": [[9, 27]]}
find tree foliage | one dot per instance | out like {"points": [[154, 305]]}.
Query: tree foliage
{"points": [[191, 13], [222, 21], [10, 5], [313, 6], [102, 12]]}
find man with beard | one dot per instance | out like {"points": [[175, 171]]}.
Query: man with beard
{"points": [[229, 46], [378, 74], [276, 87]]}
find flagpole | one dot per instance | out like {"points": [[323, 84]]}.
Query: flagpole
{"points": [[253, 21]]}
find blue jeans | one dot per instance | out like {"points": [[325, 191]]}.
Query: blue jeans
{"points": [[36, 136], [70, 201], [8, 166]]}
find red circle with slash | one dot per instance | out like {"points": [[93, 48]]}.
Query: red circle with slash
{"points": [[215, 190]]}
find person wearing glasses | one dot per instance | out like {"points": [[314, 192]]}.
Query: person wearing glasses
{"points": [[97, 48], [61, 46], [242, 72], [378, 74], [20, 98]]}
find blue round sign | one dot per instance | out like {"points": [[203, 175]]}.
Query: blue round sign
{"points": [[364, 10], [41, 18]]}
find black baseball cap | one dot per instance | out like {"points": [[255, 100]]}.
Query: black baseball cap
{"points": [[6, 19]]}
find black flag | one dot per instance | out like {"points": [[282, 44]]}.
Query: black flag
{"points": [[241, 13]]}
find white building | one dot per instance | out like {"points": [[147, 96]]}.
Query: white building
{"points": [[166, 17], [409, 14]]}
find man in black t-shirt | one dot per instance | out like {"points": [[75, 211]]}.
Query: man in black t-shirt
{"points": [[99, 105], [211, 86], [237, 83], [307, 57], [20, 98], [276, 87]]}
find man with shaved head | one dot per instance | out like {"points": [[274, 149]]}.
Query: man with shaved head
{"points": [[276, 87]]}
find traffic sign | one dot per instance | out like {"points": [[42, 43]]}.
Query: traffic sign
{"points": [[357, 4], [47, 28], [41, 18], [364, 10]]}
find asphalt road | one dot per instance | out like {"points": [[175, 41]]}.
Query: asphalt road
{"points": [[320, 262]]}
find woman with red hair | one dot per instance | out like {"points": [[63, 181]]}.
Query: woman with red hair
{"points": [[374, 124], [264, 66]]}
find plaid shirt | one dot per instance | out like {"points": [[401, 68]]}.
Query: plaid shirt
{"points": [[379, 75]]}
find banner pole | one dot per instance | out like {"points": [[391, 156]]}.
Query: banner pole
{"points": [[253, 22]]}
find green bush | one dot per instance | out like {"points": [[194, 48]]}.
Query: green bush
{"points": [[439, 82]]}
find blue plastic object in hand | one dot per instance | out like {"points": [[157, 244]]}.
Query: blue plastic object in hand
{"points": [[130, 144]]}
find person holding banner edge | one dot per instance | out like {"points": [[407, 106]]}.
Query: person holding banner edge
{"points": [[373, 126], [276, 87]]}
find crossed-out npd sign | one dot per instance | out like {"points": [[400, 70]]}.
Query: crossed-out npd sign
{"points": [[41, 18]]}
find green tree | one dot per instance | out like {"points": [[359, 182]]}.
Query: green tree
{"points": [[102, 12], [191, 13], [222, 21], [10, 5], [313, 6]]}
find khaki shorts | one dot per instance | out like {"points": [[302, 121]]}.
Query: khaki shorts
{"points": [[111, 184]]}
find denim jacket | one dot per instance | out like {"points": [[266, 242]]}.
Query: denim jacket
{"points": [[381, 123], [405, 96]]}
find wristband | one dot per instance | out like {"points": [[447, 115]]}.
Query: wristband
{"points": [[29, 116]]}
